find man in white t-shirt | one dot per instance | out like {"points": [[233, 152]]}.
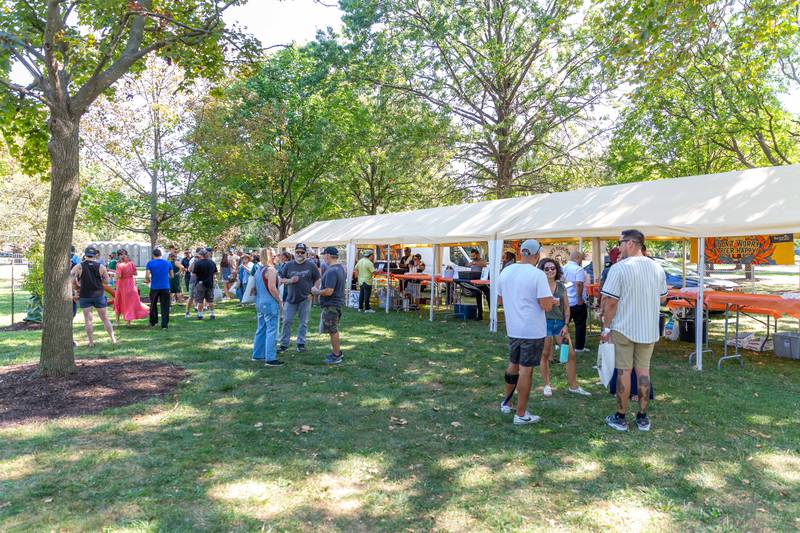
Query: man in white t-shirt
{"points": [[526, 297], [576, 277], [633, 292]]}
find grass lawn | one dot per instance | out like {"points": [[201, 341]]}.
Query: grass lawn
{"points": [[406, 436]]}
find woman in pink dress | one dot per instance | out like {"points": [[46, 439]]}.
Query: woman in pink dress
{"points": [[126, 301]]}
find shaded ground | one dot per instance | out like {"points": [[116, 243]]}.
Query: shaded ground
{"points": [[97, 385], [17, 326]]}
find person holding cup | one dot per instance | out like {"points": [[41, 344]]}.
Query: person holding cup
{"points": [[557, 330]]}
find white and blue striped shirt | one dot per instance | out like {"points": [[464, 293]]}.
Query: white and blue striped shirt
{"points": [[638, 283]]}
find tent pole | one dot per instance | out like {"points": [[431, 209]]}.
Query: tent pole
{"points": [[433, 283], [683, 264], [699, 316], [388, 276]]}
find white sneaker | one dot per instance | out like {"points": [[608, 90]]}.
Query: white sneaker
{"points": [[369, 311], [526, 419], [547, 391], [583, 350], [580, 391], [505, 408]]}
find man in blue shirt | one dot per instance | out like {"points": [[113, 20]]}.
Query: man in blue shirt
{"points": [[331, 300], [158, 272]]}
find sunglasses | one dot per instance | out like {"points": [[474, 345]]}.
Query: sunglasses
{"points": [[299, 252], [549, 269], [623, 241]]}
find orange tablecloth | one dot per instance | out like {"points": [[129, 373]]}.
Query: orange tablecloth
{"points": [[756, 304], [593, 289]]}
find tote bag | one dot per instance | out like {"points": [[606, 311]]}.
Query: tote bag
{"points": [[605, 362], [249, 297]]}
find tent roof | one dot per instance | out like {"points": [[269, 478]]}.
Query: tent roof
{"points": [[455, 223], [754, 201]]}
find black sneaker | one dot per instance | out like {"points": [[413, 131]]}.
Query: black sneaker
{"points": [[276, 362], [642, 422], [617, 422], [282, 349], [301, 347], [199, 317], [212, 317]]}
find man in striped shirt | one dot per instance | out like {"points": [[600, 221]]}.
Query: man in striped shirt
{"points": [[632, 295]]}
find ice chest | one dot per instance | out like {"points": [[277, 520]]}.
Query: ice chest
{"points": [[787, 345]]}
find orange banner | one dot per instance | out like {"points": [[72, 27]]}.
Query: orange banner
{"points": [[748, 250]]}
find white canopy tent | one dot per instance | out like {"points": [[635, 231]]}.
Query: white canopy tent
{"points": [[748, 202]]}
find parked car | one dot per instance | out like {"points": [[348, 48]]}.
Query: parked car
{"points": [[675, 277]]}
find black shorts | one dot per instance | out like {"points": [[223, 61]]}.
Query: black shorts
{"points": [[203, 292], [525, 352]]}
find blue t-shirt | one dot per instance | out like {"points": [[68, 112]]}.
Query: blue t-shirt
{"points": [[333, 278], [159, 273]]}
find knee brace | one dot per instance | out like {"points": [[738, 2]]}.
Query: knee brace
{"points": [[512, 379]]}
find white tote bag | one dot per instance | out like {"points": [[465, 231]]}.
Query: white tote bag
{"points": [[217, 294], [249, 294], [605, 362]]}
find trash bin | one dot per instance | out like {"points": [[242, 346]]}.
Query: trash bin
{"points": [[687, 329], [787, 345]]}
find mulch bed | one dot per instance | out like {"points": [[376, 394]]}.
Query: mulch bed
{"points": [[96, 385], [22, 326]]}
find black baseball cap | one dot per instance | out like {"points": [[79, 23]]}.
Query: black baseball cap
{"points": [[331, 250], [301, 246], [91, 251]]}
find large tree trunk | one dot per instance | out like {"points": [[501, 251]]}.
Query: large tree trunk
{"points": [[57, 357]]}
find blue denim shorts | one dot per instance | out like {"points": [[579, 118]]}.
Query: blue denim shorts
{"points": [[554, 327], [99, 302]]}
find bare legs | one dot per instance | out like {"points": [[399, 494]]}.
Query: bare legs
{"points": [[103, 314], [335, 347], [547, 354], [523, 386]]}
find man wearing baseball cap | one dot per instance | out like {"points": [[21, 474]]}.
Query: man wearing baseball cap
{"points": [[299, 276], [88, 277], [331, 300], [526, 297]]}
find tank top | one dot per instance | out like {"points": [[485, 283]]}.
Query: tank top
{"points": [[557, 313], [263, 296], [91, 282]]}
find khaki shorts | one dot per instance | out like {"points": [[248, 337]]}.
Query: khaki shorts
{"points": [[629, 354]]}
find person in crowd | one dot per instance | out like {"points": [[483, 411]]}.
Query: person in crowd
{"points": [[245, 268], [191, 301], [299, 275], [127, 303], [88, 277], [268, 311], [112, 268], [158, 273], [406, 258], [574, 278], [415, 266], [365, 268], [526, 297], [331, 300], [186, 261], [476, 264], [557, 329], [285, 259], [175, 280], [205, 269], [632, 296], [509, 258], [225, 270], [73, 257]]}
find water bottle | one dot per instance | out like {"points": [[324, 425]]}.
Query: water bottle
{"points": [[563, 354]]}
